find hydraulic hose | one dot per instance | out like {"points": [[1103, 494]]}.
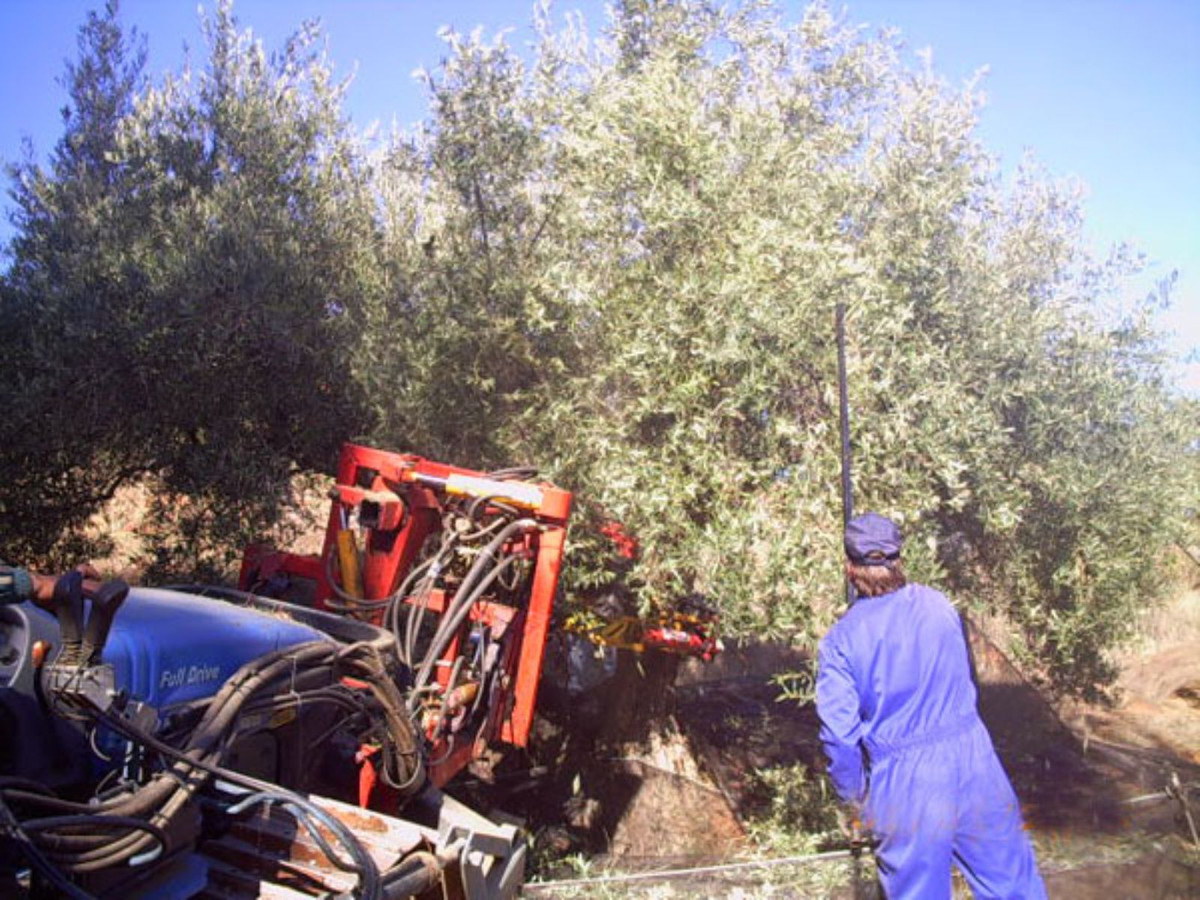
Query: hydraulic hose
{"points": [[454, 619], [429, 572], [132, 826], [87, 841], [36, 859], [451, 621], [363, 865], [306, 813], [403, 767], [415, 875]]}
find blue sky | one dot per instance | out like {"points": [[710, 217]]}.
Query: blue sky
{"points": [[1105, 91]]}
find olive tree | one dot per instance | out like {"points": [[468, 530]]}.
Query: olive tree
{"points": [[184, 292], [617, 257], [470, 329], [55, 290], [640, 241]]}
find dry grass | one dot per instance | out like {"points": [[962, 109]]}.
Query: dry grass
{"points": [[1172, 624], [134, 536]]}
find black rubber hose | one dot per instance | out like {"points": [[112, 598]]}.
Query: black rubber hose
{"points": [[54, 843], [36, 859], [415, 875], [404, 768], [416, 613], [459, 610], [368, 875], [46, 801], [445, 629], [522, 472], [168, 792], [452, 620]]}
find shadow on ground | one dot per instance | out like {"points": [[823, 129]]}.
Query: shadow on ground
{"points": [[668, 811]]}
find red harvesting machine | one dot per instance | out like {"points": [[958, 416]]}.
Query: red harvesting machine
{"points": [[460, 566]]}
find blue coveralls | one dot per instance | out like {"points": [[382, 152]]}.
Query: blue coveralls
{"points": [[895, 682]]}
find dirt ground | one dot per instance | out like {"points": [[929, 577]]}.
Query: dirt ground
{"points": [[1093, 780]]}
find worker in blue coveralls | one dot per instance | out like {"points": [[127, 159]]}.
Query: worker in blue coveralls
{"points": [[908, 754]]}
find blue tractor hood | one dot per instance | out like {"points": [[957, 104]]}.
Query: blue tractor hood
{"points": [[168, 647]]}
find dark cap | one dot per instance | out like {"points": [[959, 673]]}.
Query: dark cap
{"points": [[872, 540]]}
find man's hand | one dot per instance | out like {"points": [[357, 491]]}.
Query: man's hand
{"points": [[849, 823], [43, 585]]}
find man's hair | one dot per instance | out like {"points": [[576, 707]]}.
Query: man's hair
{"points": [[875, 581]]}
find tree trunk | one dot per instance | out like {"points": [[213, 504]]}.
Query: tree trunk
{"points": [[640, 696]]}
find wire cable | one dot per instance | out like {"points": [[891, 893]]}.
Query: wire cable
{"points": [[829, 856]]}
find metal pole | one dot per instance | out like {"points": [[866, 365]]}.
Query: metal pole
{"points": [[844, 413]]}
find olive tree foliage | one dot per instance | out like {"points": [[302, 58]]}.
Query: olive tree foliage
{"points": [[470, 326], [617, 257], [181, 288], [622, 261], [51, 300]]}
